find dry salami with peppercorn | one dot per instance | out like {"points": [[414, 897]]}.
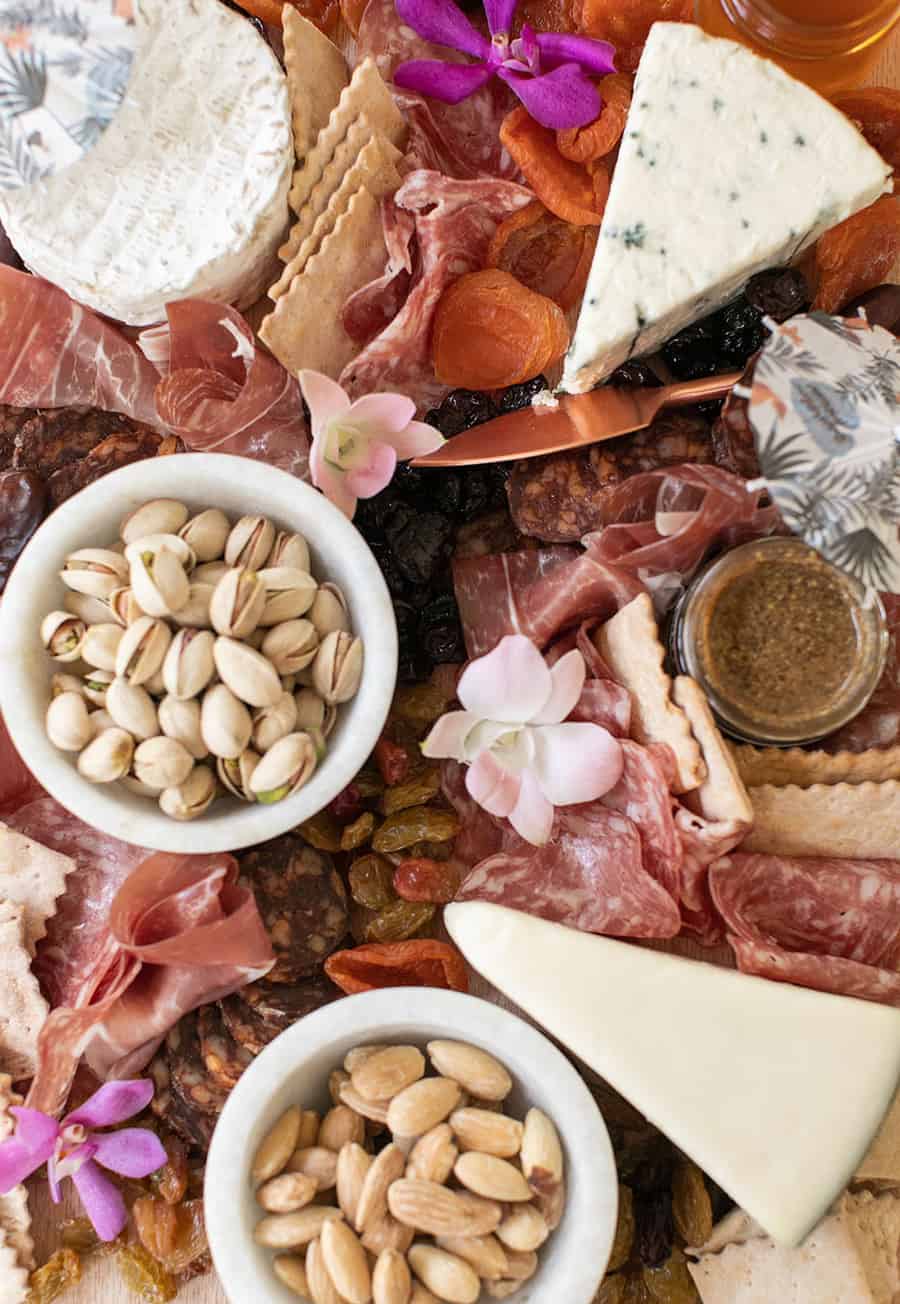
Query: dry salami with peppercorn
{"points": [[190, 1078], [258, 1013], [224, 1059], [302, 901], [188, 1121]]}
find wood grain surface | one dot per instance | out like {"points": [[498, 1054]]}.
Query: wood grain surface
{"points": [[101, 1283]]}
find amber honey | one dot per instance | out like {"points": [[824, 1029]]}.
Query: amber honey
{"points": [[828, 43]]}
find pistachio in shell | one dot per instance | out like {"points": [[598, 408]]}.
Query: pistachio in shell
{"points": [[60, 683], [284, 769], [100, 645], [337, 669], [161, 762], [250, 542], [63, 635], [329, 611], [159, 516], [159, 582], [289, 592], [313, 713], [139, 789], [224, 722], [210, 572], [93, 611], [124, 607], [152, 543], [195, 612], [96, 686], [206, 533], [273, 722], [234, 773], [188, 666], [154, 685], [250, 675], [107, 757], [95, 572], [181, 720], [289, 550], [291, 646], [237, 603], [101, 720], [185, 801], [132, 708], [142, 649], [67, 722]]}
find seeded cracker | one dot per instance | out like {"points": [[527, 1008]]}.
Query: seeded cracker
{"points": [[33, 877], [761, 765], [721, 795], [316, 71], [857, 821], [629, 643], [22, 1007], [15, 1218]]}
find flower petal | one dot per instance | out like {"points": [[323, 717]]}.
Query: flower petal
{"points": [[511, 684], [563, 98], [450, 82], [509, 743], [500, 15], [416, 440], [102, 1202], [34, 1129], [575, 762], [442, 22], [368, 480], [492, 786], [381, 415], [112, 1103], [53, 1180], [447, 738], [527, 49], [333, 484], [532, 815], [131, 1152], [21, 1155], [324, 398], [595, 57], [568, 675]]}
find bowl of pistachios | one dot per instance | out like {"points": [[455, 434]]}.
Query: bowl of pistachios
{"points": [[199, 653]]}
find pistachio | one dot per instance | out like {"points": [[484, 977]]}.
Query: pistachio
{"points": [[62, 635], [159, 516], [142, 649], [235, 773], [60, 683], [255, 640], [210, 572], [93, 611], [337, 669], [124, 606], [154, 685], [67, 722], [100, 645], [181, 721], [101, 720], [237, 603], [311, 710], [206, 534], [159, 582], [152, 543], [249, 674], [289, 550], [94, 571], [250, 542], [284, 769], [289, 593], [139, 789], [291, 646], [329, 611], [131, 707], [189, 664], [187, 800], [318, 741], [162, 762], [96, 685], [108, 757], [195, 612], [273, 722], [224, 722]]}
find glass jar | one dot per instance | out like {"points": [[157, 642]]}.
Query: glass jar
{"points": [[828, 43], [787, 647]]}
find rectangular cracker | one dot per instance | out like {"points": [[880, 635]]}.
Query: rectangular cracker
{"points": [[316, 72], [366, 93], [34, 877], [722, 794], [13, 1277], [759, 765], [374, 166], [22, 1007], [305, 329], [629, 643], [856, 821]]}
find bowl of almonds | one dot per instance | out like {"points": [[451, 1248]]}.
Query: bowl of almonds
{"points": [[411, 1146]]}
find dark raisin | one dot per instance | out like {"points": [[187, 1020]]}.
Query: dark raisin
{"points": [[635, 375], [445, 492], [23, 496], [779, 294], [741, 333], [411, 483], [693, 352], [407, 621], [439, 612], [392, 577], [654, 1227], [460, 410], [420, 545], [444, 644], [519, 396], [476, 488]]}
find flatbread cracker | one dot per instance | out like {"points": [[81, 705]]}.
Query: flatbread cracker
{"points": [[856, 821], [34, 877], [760, 765], [722, 794], [629, 643], [316, 71], [13, 1277], [15, 1217], [305, 330], [22, 1007]]}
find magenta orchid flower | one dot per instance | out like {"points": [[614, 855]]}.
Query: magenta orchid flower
{"points": [[74, 1148], [550, 72], [523, 757], [356, 446]]}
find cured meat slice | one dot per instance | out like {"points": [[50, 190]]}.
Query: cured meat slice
{"points": [[224, 394], [189, 1076], [829, 924], [260, 1012], [703, 841], [188, 1121], [18, 786], [120, 449], [370, 309], [56, 354], [879, 724], [223, 1058], [642, 794], [606, 703]]}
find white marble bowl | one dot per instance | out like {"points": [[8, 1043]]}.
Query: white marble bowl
{"points": [[91, 518], [294, 1069]]}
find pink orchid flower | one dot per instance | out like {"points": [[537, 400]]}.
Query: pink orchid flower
{"points": [[523, 758], [356, 446], [74, 1148]]}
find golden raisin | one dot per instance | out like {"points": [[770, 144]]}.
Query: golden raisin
{"points": [[417, 824], [358, 833], [671, 1283], [372, 882], [420, 703], [322, 832], [143, 1275], [691, 1205], [62, 1270], [414, 792], [399, 921]]}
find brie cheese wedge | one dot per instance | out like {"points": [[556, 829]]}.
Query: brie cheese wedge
{"points": [[727, 166]]}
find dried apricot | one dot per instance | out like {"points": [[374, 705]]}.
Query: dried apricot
{"points": [[876, 112], [627, 23], [600, 137], [858, 254], [422, 963], [545, 253], [546, 15], [423, 879], [561, 185]]}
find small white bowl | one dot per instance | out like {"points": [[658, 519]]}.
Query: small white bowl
{"points": [[239, 486], [294, 1069]]}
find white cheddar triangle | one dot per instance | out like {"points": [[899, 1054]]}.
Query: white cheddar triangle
{"points": [[727, 166], [774, 1090]]}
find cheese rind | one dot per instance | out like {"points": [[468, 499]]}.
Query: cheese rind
{"points": [[774, 1090], [727, 166]]}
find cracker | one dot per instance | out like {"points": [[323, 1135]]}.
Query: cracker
{"points": [[34, 877], [316, 72], [15, 1217], [844, 820], [722, 794], [366, 93], [760, 765], [13, 1277], [629, 643], [22, 1007], [882, 1161], [305, 330]]}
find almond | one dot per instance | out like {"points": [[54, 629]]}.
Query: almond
{"points": [[387, 1234], [358, 1055], [352, 1165], [391, 1280], [520, 1266], [473, 1068], [386, 1168], [337, 1078], [277, 1146], [484, 1253], [553, 1206], [321, 1287], [492, 1134], [542, 1159], [288, 1231], [421, 1296], [494, 1178], [440, 1212], [524, 1228], [286, 1193], [501, 1289], [315, 1162], [309, 1130], [376, 1110], [346, 1262], [446, 1275], [382, 1075], [419, 1108], [291, 1271], [433, 1156], [340, 1125]]}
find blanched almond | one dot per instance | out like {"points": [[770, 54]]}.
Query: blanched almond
{"points": [[473, 1068], [358, 1055], [321, 1287], [446, 1275], [387, 1234], [434, 1209], [391, 1280], [524, 1228], [434, 1154], [316, 1162], [288, 1231], [422, 1106], [501, 1289], [520, 1266], [485, 1253], [553, 1206], [291, 1271], [286, 1193], [309, 1130], [352, 1165], [382, 1075], [494, 1178], [420, 1295], [277, 1146], [340, 1125], [492, 1134], [337, 1079], [376, 1110], [542, 1159], [386, 1168], [346, 1262]]}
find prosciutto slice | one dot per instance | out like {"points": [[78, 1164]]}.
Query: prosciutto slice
{"points": [[56, 354], [833, 925], [224, 394], [879, 724]]}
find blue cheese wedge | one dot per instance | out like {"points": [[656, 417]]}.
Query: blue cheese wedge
{"points": [[727, 166], [775, 1091]]}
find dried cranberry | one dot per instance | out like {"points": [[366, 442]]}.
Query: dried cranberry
{"points": [[23, 496], [779, 294], [347, 804]]}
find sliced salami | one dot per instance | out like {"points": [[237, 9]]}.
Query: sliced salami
{"points": [[261, 1011], [187, 1121], [224, 1059], [642, 794], [189, 1077]]}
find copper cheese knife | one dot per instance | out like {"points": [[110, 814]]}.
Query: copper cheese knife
{"points": [[576, 421]]}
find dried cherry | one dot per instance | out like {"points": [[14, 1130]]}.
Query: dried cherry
{"points": [[421, 963], [23, 497], [858, 254]]}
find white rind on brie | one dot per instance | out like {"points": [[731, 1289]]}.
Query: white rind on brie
{"points": [[185, 193], [727, 166]]}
